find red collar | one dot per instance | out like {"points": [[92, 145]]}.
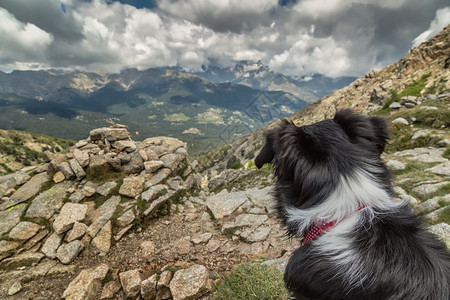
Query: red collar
{"points": [[318, 229]]}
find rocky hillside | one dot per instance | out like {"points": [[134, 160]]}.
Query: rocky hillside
{"points": [[20, 149], [424, 71], [115, 218]]}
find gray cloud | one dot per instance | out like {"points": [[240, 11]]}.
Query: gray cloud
{"points": [[331, 37]]}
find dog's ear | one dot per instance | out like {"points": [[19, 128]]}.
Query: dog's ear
{"points": [[266, 155], [381, 129], [357, 127]]}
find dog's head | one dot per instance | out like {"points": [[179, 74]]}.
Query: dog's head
{"points": [[309, 161]]}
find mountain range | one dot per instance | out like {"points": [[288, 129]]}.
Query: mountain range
{"points": [[206, 110]]}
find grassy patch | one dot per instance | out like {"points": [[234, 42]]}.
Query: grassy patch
{"points": [[444, 216], [229, 232], [102, 174], [250, 281]]}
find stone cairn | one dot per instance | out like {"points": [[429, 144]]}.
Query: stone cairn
{"points": [[58, 209]]}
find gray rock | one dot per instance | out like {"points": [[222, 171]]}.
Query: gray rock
{"points": [[441, 169], [22, 260], [11, 217], [47, 203], [172, 161], [135, 165], [132, 186], [65, 168], [426, 189], [66, 253], [77, 169], [190, 283], [159, 177], [163, 285], [24, 230], [279, 263], [82, 157], [98, 161], [426, 107], [6, 246], [156, 204], [78, 231], [110, 290], [246, 220], [77, 196], [442, 231], [15, 288], [434, 216], [27, 191], [9, 181], [122, 232], [127, 146], [176, 183], [154, 192], [147, 250], [108, 207], [203, 238], [420, 133], [163, 145], [395, 105], [224, 203], [87, 285], [261, 197], [152, 166], [69, 214], [148, 288], [131, 282], [260, 234], [109, 134], [98, 224], [102, 241], [444, 143], [395, 165], [400, 121], [51, 245], [126, 218], [403, 196], [89, 189], [106, 188], [432, 204], [427, 155]]}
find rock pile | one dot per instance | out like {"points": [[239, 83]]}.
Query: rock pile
{"points": [[89, 197]]}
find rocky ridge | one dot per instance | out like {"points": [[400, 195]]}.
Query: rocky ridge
{"points": [[114, 218]]}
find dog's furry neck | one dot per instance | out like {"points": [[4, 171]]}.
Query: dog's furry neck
{"points": [[352, 192]]}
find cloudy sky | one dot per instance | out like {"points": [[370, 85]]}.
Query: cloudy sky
{"points": [[295, 37]]}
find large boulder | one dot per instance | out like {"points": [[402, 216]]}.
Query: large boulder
{"points": [[190, 283], [87, 285]]}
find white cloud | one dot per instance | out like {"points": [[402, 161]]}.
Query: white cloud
{"points": [[334, 37], [21, 42], [441, 20]]}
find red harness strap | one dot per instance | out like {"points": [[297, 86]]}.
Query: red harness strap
{"points": [[316, 230], [319, 228]]}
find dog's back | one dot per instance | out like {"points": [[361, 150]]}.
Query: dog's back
{"points": [[374, 247], [389, 256]]}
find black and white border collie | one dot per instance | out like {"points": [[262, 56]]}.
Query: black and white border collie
{"points": [[332, 189]]}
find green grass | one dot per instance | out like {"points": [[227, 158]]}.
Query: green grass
{"points": [[413, 89], [444, 216], [102, 174], [250, 281]]}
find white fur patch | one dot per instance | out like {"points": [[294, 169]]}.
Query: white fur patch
{"points": [[353, 192]]}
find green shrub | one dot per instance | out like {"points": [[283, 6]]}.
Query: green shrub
{"points": [[250, 281], [236, 165]]}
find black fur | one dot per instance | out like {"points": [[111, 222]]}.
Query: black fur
{"points": [[398, 258]]}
